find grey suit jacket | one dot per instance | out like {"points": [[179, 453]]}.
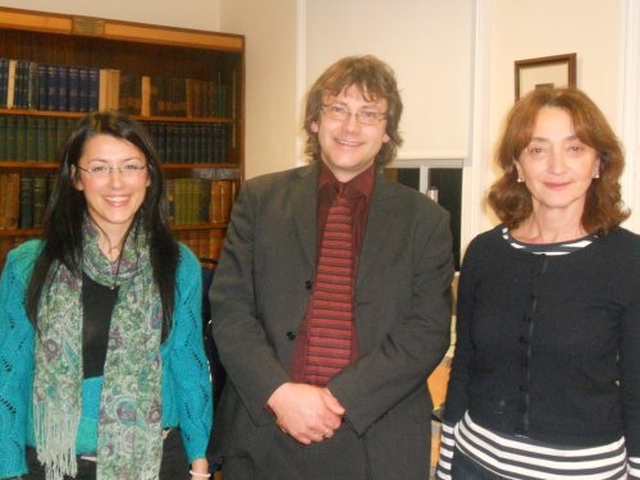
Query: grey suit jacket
{"points": [[259, 296]]}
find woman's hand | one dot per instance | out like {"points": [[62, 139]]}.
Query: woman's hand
{"points": [[200, 469]]}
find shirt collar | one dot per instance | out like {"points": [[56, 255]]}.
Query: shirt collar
{"points": [[362, 184]]}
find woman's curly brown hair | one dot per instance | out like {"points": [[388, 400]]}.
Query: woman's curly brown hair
{"points": [[511, 201]]}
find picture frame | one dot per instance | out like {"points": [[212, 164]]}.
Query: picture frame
{"points": [[551, 71]]}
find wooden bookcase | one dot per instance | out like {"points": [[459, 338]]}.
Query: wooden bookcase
{"points": [[186, 86]]}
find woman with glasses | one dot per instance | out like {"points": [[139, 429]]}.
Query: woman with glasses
{"points": [[102, 367]]}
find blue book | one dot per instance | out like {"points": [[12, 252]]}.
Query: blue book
{"points": [[52, 88], [63, 88], [4, 80], [32, 86], [93, 89], [43, 87], [26, 201], [73, 89]]}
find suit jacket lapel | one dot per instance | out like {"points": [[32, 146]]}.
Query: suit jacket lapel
{"points": [[377, 228], [305, 206]]}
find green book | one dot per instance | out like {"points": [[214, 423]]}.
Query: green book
{"points": [[26, 201], [39, 199], [11, 132], [41, 138], [31, 154], [4, 137]]}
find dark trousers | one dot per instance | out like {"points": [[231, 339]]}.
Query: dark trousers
{"points": [[463, 468], [175, 465]]}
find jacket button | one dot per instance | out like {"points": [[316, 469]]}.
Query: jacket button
{"points": [[291, 335]]}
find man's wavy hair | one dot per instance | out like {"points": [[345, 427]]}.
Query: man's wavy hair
{"points": [[512, 202], [376, 80]]}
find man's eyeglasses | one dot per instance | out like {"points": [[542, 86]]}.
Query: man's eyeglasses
{"points": [[103, 171], [366, 117]]}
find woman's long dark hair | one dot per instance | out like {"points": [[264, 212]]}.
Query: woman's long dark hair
{"points": [[62, 230]]}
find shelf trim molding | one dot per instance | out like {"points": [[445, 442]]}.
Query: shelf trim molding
{"points": [[119, 30]]}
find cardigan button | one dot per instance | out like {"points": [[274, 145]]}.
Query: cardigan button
{"points": [[291, 335], [308, 284]]}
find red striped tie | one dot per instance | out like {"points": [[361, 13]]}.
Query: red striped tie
{"points": [[331, 327]]}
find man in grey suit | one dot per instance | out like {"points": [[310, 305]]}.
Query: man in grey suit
{"points": [[360, 410]]}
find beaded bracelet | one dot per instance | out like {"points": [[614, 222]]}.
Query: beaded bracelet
{"points": [[198, 474]]}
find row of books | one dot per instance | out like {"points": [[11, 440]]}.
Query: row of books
{"points": [[30, 85], [206, 244], [162, 95], [31, 138], [190, 142], [24, 199], [193, 201], [26, 84]]}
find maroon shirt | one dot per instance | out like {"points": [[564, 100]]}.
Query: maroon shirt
{"points": [[358, 191]]}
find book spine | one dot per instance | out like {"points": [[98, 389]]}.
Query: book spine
{"points": [[33, 88], [225, 200], [4, 78], [11, 83], [30, 139], [94, 89], [12, 143], [13, 200], [39, 199], [4, 137], [26, 201], [52, 137], [215, 209], [4, 200], [41, 138], [73, 89], [52, 88], [62, 98], [21, 84], [145, 95], [43, 86]]}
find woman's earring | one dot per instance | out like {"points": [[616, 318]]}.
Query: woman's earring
{"points": [[596, 175], [520, 179]]}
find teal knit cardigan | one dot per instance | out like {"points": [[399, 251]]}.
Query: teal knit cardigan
{"points": [[186, 387]]}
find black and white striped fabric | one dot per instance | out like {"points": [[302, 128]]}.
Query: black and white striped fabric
{"points": [[520, 458]]}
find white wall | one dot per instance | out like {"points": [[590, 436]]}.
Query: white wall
{"points": [[522, 29], [271, 103], [427, 42]]}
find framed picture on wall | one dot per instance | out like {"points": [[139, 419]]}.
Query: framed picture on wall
{"points": [[542, 72]]}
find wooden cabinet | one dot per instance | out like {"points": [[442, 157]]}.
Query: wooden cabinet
{"points": [[186, 86]]}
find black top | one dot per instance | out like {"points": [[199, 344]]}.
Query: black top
{"points": [[98, 302], [549, 346]]}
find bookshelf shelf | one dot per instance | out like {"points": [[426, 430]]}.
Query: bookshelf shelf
{"points": [[185, 86]]}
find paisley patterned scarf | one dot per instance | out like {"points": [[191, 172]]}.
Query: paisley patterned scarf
{"points": [[130, 428]]}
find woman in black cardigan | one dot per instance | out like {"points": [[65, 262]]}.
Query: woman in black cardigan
{"points": [[545, 380]]}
